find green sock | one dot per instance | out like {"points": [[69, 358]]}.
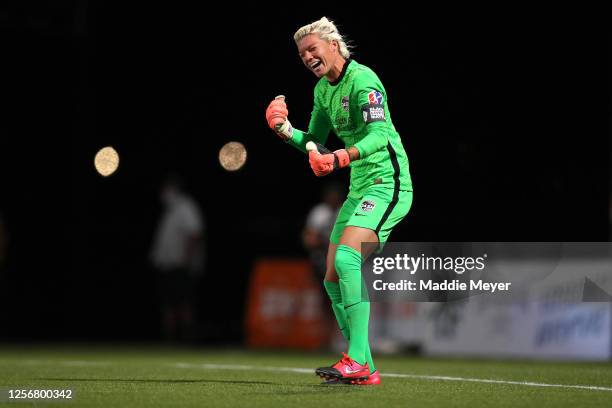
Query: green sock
{"points": [[369, 359], [355, 300], [333, 290]]}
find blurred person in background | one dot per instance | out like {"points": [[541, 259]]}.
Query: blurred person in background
{"points": [[319, 225], [4, 286], [610, 235], [3, 247], [178, 256], [315, 237]]}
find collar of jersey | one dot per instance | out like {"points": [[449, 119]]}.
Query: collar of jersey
{"points": [[344, 68]]}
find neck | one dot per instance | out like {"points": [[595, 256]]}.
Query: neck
{"points": [[336, 69]]}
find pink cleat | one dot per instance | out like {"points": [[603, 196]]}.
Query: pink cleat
{"points": [[345, 369], [373, 379]]}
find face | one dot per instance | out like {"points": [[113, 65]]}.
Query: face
{"points": [[318, 55]]}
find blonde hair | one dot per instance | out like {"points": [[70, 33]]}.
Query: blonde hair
{"points": [[327, 30]]}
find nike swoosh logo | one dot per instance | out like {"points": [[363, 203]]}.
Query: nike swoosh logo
{"points": [[361, 215], [349, 371]]}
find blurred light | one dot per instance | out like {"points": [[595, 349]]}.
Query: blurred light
{"points": [[106, 161], [232, 156]]}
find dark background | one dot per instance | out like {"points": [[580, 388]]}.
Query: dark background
{"points": [[506, 125]]}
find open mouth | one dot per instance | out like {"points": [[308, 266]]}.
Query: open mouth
{"points": [[316, 64]]}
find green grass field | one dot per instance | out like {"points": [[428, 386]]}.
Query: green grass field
{"points": [[130, 376]]}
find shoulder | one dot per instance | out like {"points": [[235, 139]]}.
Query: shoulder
{"points": [[362, 73], [324, 207], [319, 215], [321, 84], [365, 79], [321, 208], [187, 205]]}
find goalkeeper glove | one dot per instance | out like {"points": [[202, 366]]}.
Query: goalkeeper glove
{"points": [[323, 164], [276, 115]]}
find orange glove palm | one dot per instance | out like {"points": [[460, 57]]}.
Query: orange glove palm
{"points": [[323, 164]]}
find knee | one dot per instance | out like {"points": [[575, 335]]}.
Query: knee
{"points": [[330, 274], [348, 266], [331, 278], [346, 259]]}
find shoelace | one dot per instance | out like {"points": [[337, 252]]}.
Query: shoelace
{"points": [[346, 359]]}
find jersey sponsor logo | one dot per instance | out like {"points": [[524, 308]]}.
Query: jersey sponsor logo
{"points": [[368, 205], [375, 98], [345, 103], [373, 113], [343, 123]]}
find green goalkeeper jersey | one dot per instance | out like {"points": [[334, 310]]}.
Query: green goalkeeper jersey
{"points": [[355, 106]]}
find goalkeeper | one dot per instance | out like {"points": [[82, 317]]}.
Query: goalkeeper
{"points": [[350, 100]]}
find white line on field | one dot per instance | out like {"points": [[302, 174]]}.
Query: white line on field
{"points": [[75, 363], [311, 371], [246, 367], [392, 375]]}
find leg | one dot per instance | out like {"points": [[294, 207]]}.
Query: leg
{"points": [[331, 277], [330, 272], [354, 294], [333, 291], [372, 220], [331, 281], [168, 307], [355, 236]]}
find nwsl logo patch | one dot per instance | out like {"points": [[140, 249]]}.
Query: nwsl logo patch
{"points": [[375, 98]]}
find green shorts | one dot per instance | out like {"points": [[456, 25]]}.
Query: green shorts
{"points": [[379, 209]]}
